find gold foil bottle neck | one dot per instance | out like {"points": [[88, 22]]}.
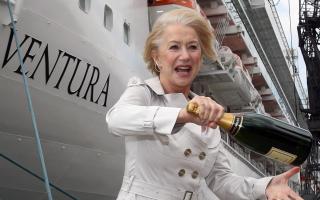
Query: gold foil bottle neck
{"points": [[226, 121]]}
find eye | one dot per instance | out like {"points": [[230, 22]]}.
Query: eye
{"points": [[194, 47], [174, 47]]}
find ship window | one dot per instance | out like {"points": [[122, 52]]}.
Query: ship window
{"points": [[84, 5], [126, 31], [108, 18]]}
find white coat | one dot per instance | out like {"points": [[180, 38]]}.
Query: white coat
{"points": [[169, 161]]}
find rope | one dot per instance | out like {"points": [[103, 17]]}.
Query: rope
{"points": [[26, 88], [37, 176]]}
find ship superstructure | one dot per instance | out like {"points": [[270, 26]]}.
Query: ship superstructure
{"points": [[80, 55]]}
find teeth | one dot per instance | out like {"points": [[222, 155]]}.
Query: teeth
{"points": [[183, 68]]}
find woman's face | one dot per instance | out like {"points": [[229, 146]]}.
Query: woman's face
{"points": [[178, 58]]}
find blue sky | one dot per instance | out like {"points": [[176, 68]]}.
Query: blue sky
{"points": [[283, 11]]}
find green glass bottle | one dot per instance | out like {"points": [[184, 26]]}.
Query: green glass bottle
{"points": [[267, 136]]}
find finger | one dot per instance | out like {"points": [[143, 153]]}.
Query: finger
{"points": [[220, 113], [213, 112], [208, 111], [212, 124], [198, 101], [200, 109], [288, 174], [216, 114], [202, 112]]}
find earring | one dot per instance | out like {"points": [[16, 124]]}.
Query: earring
{"points": [[156, 67]]}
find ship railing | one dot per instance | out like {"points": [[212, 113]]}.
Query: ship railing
{"points": [[30, 180], [221, 29], [219, 21]]}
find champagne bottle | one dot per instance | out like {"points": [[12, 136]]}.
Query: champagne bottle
{"points": [[270, 137]]}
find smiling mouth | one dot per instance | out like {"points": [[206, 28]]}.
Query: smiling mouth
{"points": [[185, 69]]}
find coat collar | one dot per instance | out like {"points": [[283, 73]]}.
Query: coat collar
{"points": [[155, 85]]}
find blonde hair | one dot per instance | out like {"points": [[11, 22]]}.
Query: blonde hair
{"points": [[184, 16]]}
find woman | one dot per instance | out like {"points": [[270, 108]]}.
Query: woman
{"points": [[167, 157]]}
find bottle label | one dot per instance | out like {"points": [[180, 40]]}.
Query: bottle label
{"points": [[281, 155], [236, 125]]}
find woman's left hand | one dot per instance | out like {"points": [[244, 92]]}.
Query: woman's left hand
{"points": [[278, 188]]}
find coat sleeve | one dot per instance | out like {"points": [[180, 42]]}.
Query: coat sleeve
{"points": [[227, 185], [134, 115]]}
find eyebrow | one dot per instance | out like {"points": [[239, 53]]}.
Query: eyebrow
{"points": [[175, 41]]}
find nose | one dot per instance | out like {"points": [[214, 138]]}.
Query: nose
{"points": [[184, 54]]}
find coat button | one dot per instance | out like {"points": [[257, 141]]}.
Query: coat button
{"points": [[187, 152], [181, 172], [194, 174], [202, 155]]}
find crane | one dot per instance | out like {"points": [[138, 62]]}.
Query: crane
{"points": [[309, 40]]}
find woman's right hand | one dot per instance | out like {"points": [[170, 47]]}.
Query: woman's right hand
{"points": [[209, 112]]}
